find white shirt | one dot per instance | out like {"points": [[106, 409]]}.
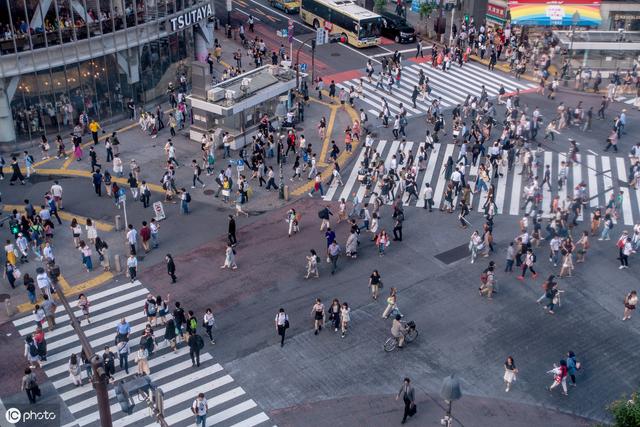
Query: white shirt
{"points": [[43, 280], [200, 406], [132, 261], [280, 319], [56, 190], [132, 236]]}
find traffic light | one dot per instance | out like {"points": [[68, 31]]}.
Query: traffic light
{"points": [[466, 19], [15, 228]]}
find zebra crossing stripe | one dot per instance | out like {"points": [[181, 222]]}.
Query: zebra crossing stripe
{"points": [[563, 191], [444, 88], [437, 194], [252, 421], [500, 78], [626, 198], [607, 178], [577, 178], [350, 181], [516, 191], [428, 175], [593, 180], [501, 190], [217, 417]]}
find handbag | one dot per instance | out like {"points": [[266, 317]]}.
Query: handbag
{"points": [[380, 285]]}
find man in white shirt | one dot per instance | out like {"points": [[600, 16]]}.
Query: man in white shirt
{"points": [[199, 409], [428, 197], [132, 239], [56, 192]]}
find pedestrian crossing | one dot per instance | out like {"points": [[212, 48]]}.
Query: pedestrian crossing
{"points": [[603, 176], [629, 100], [229, 405], [452, 86]]}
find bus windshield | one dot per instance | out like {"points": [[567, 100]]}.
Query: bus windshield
{"points": [[369, 28]]}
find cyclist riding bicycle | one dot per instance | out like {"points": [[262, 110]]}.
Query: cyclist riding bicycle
{"points": [[398, 330]]}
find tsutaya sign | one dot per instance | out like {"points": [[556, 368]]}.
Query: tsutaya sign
{"points": [[191, 17]]}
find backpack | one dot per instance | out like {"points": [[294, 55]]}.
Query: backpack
{"points": [[321, 214], [151, 308], [187, 198], [193, 324], [33, 350], [30, 157], [484, 277]]}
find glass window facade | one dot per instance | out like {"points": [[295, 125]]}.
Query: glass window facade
{"points": [[100, 54]]}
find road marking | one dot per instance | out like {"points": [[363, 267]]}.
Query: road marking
{"points": [[626, 198], [67, 216], [546, 195], [516, 191], [593, 181], [378, 55], [437, 194], [593, 152], [325, 144], [428, 174]]}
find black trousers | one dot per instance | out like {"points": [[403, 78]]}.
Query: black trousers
{"points": [[232, 238], [281, 332], [195, 356], [172, 274], [407, 408], [397, 233], [31, 394]]}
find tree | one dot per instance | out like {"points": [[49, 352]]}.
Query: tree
{"points": [[425, 10], [379, 6], [625, 411]]}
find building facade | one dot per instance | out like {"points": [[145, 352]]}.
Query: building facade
{"points": [[60, 58]]}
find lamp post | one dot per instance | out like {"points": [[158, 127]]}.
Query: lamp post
{"points": [[450, 391], [311, 40]]}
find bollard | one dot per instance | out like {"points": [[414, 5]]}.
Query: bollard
{"points": [[10, 309], [116, 261], [286, 192], [118, 221]]}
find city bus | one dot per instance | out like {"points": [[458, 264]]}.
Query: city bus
{"points": [[359, 26]]}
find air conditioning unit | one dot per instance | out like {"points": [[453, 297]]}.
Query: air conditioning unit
{"points": [[215, 94], [230, 94]]}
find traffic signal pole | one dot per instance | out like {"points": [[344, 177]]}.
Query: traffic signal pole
{"points": [[99, 378]]}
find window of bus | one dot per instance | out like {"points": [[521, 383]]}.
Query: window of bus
{"points": [[369, 28]]}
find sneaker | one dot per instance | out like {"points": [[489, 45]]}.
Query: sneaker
{"points": [[310, 195], [621, 267], [193, 186], [520, 277]]}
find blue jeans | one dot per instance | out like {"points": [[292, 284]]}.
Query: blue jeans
{"points": [[86, 260], [155, 240], [509, 266], [32, 297], [185, 207], [201, 419], [481, 185], [124, 362], [605, 233]]}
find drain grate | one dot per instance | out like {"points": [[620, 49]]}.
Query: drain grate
{"points": [[208, 192], [335, 54], [453, 255]]}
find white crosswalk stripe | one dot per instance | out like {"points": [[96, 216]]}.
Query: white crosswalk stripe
{"points": [[451, 86], [603, 176], [171, 371]]}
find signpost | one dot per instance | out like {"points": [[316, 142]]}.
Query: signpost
{"points": [[158, 209], [229, 8], [290, 36], [303, 68], [321, 36]]}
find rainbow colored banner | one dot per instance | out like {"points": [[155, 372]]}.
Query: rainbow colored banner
{"points": [[560, 12]]}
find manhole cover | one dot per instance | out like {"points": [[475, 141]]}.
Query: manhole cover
{"points": [[4, 297], [455, 254], [335, 54], [208, 192]]}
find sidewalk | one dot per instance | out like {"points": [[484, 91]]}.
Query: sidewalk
{"points": [[470, 411]]}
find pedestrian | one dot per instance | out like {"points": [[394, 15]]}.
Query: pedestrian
{"points": [[345, 318], [43, 281], [199, 409], [282, 324], [630, 303], [31, 352], [86, 255], [103, 254], [391, 303], [49, 307], [170, 334], [510, 372], [74, 370], [122, 347], [76, 231], [312, 264], [231, 231], [132, 239], [84, 304], [92, 231], [155, 227], [109, 360], [572, 367], [30, 385], [132, 266], [30, 287], [142, 361], [196, 343], [317, 312], [333, 253], [559, 376], [625, 249], [529, 261], [209, 322], [171, 268], [185, 199], [408, 397], [375, 283], [16, 172], [151, 310], [230, 258]]}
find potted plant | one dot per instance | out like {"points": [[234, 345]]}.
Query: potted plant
{"points": [[425, 9]]}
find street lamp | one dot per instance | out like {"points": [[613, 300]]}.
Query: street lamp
{"points": [[450, 391]]}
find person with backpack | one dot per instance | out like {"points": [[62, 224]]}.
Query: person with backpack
{"points": [[179, 318], [151, 310], [29, 161], [109, 361], [196, 343], [192, 322], [324, 215], [30, 385], [282, 324], [559, 376], [74, 370], [200, 408]]}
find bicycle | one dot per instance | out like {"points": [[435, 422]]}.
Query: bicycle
{"points": [[411, 333]]}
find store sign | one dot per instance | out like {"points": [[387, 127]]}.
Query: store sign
{"points": [[191, 17], [496, 11], [557, 12]]}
